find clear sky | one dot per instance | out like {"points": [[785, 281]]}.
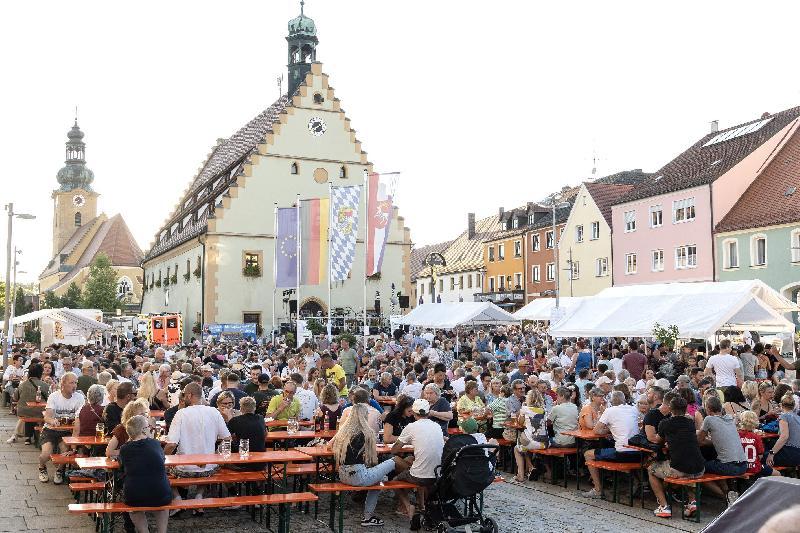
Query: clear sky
{"points": [[479, 104]]}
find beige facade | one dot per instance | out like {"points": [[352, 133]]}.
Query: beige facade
{"points": [[70, 211], [290, 163]]}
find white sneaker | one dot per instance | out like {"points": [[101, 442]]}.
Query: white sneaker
{"points": [[591, 494], [43, 477], [11, 440], [58, 477], [732, 496]]}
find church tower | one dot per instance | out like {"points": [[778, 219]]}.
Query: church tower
{"points": [[303, 42], [74, 202]]}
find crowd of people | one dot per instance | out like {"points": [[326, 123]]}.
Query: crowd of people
{"points": [[514, 383]]}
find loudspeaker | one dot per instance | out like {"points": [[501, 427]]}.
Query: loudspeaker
{"points": [[292, 306], [378, 307], [404, 304]]}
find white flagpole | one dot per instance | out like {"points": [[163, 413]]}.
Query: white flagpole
{"points": [[330, 223], [299, 259], [365, 332], [274, 270]]}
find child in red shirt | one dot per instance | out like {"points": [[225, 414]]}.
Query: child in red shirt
{"points": [[753, 445]]}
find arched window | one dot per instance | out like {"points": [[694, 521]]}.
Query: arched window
{"points": [[124, 286], [294, 169], [343, 172], [77, 220], [318, 99]]}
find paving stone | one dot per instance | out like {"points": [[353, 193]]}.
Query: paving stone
{"points": [[13, 523]]}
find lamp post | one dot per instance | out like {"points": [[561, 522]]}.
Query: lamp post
{"points": [[434, 259], [6, 325], [553, 204]]}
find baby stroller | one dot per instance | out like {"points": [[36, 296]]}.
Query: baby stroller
{"points": [[456, 498]]}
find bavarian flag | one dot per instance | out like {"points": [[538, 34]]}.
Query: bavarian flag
{"points": [[343, 226], [314, 217]]}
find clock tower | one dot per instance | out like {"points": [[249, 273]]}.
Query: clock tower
{"points": [[74, 202], [302, 40]]}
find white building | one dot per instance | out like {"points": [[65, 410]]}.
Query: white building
{"points": [[224, 222]]}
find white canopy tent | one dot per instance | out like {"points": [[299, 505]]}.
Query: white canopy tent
{"points": [[452, 315], [699, 310], [542, 308], [69, 326]]}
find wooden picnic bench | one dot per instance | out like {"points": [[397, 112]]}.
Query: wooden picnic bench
{"points": [[338, 490]]}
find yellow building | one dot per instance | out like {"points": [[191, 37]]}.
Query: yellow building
{"points": [[80, 234]]}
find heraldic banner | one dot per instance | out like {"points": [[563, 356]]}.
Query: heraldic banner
{"points": [[343, 229], [379, 215], [313, 240], [286, 248]]}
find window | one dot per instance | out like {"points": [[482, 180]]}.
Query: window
{"points": [[548, 240], [124, 287], [318, 99], [491, 284], [758, 250], [491, 253], [595, 231], [294, 169], [514, 222], [657, 264], [738, 132], [460, 282], [630, 221], [252, 264], [421, 289], [601, 267], [579, 233], [469, 281], [188, 267], [794, 245], [683, 210], [501, 252], [530, 220], [536, 273], [77, 220], [518, 280], [187, 220], [478, 281], [656, 216], [501, 283], [575, 268], [730, 253], [535, 244], [517, 248], [685, 256], [551, 271], [343, 172], [630, 263], [251, 318], [452, 283]]}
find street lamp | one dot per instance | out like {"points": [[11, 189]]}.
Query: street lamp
{"points": [[553, 204], [434, 259], [6, 325]]}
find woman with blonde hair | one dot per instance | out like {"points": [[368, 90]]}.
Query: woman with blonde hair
{"points": [[355, 452], [786, 450], [319, 384], [111, 391], [532, 437], [750, 392], [119, 435], [156, 398]]}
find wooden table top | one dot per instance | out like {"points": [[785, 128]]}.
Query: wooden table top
{"points": [[102, 463], [282, 423], [284, 435], [235, 458], [86, 441], [157, 414], [36, 404], [325, 451], [513, 424], [62, 428], [585, 434], [387, 400]]}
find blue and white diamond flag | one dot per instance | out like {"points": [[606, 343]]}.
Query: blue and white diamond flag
{"points": [[343, 227]]}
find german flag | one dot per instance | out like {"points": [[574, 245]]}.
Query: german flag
{"points": [[314, 218]]}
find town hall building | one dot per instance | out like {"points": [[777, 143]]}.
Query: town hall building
{"points": [[212, 260]]}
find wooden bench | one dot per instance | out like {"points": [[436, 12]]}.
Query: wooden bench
{"points": [[697, 483], [617, 468], [339, 489], [283, 501], [59, 459], [37, 429], [552, 454]]}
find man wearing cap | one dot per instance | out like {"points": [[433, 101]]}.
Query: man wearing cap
{"points": [[521, 372], [426, 437], [606, 385]]}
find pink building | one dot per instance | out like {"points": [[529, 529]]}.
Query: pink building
{"points": [[663, 229]]}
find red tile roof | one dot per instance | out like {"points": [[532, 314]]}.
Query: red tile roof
{"points": [[605, 194], [774, 197]]}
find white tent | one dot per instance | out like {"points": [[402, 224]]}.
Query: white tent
{"points": [[698, 309], [74, 326], [542, 308], [451, 315]]}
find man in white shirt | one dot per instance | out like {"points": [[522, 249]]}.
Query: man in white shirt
{"points": [[411, 387], [622, 422], [195, 430], [725, 367], [426, 437], [308, 400], [62, 405], [458, 383]]}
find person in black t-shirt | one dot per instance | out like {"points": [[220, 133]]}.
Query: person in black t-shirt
{"points": [[654, 416], [248, 425], [266, 390], [685, 459], [384, 387], [398, 418]]}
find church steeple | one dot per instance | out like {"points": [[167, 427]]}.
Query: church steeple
{"points": [[75, 175], [302, 40]]}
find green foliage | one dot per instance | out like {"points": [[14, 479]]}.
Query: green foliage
{"points": [[186, 277], [20, 305], [51, 301], [2, 298], [34, 336], [101, 285], [290, 339], [158, 282], [251, 271], [197, 272], [73, 298], [666, 335], [174, 279], [349, 337], [315, 327]]}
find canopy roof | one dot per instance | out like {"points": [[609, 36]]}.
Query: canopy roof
{"points": [[450, 315], [72, 317], [542, 308], [698, 309]]}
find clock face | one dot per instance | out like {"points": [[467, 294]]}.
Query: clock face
{"points": [[316, 126], [78, 200]]}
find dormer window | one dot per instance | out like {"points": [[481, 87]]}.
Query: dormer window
{"points": [[293, 169], [318, 99]]}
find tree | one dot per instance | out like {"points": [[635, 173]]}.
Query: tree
{"points": [[52, 301], [20, 305], [72, 299], [100, 291], [2, 298]]}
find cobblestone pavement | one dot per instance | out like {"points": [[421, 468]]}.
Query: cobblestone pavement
{"points": [[28, 505]]}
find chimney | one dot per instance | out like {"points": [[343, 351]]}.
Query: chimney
{"points": [[714, 126], [765, 114], [470, 225], [500, 212]]}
